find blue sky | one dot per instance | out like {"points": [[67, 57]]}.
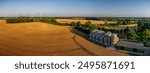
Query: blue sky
{"points": [[95, 8]]}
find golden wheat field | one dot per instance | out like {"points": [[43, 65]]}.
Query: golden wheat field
{"points": [[42, 39], [2, 21], [82, 21]]}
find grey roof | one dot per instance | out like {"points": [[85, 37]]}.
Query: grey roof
{"points": [[108, 33], [114, 34], [95, 30], [147, 52], [130, 44]]}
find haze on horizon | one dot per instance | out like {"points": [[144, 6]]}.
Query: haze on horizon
{"points": [[75, 8]]}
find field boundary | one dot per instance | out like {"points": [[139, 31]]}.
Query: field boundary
{"points": [[72, 29], [83, 48], [82, 35]]}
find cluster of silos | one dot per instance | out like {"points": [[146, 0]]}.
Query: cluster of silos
{"points": [[100, 37]]}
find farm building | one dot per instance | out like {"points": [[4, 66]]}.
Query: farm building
{"points": [[112, 40], [147, 52], [132, 47], [100, 37], [2, 21]]}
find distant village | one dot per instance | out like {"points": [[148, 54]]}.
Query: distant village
{"points": [[111, 40]]}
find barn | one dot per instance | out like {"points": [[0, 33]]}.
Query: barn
{"points": [[133, 47]]}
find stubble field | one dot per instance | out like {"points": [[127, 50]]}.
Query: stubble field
{"points": [[42, 39], [82, 21]]}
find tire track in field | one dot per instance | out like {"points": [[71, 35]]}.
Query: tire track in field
{"points": [[83, 48]]}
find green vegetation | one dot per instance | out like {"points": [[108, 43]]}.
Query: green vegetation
{"points": [[19, 20], [131, 35], [146, 35], [141, 33], [30, 19], [125, 22]]}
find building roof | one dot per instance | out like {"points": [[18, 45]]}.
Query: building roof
{"points": [[108, 33], [99, 32], [130, 44], [114, 34], [95, 30]]}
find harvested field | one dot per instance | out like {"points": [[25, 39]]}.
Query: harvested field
{"points": [[2, 21], [125, 26], [96, 49], [82, 21], [128, 25], [42, 39]]}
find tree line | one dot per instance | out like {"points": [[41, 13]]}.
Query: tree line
{"points": [[30, 19]]}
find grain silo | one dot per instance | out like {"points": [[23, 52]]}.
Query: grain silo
{"points": [[114, 39]]}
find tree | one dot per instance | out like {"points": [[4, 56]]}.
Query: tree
{"points": [[78, 23], [119, 23], [124, 22], [146, 35], [126, 30], [106, 22], [53, 21], [73, 24], [132, 35], [88, 23], [143, 24]]}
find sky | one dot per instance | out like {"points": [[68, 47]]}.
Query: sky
{"points": [[75, 8]]}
